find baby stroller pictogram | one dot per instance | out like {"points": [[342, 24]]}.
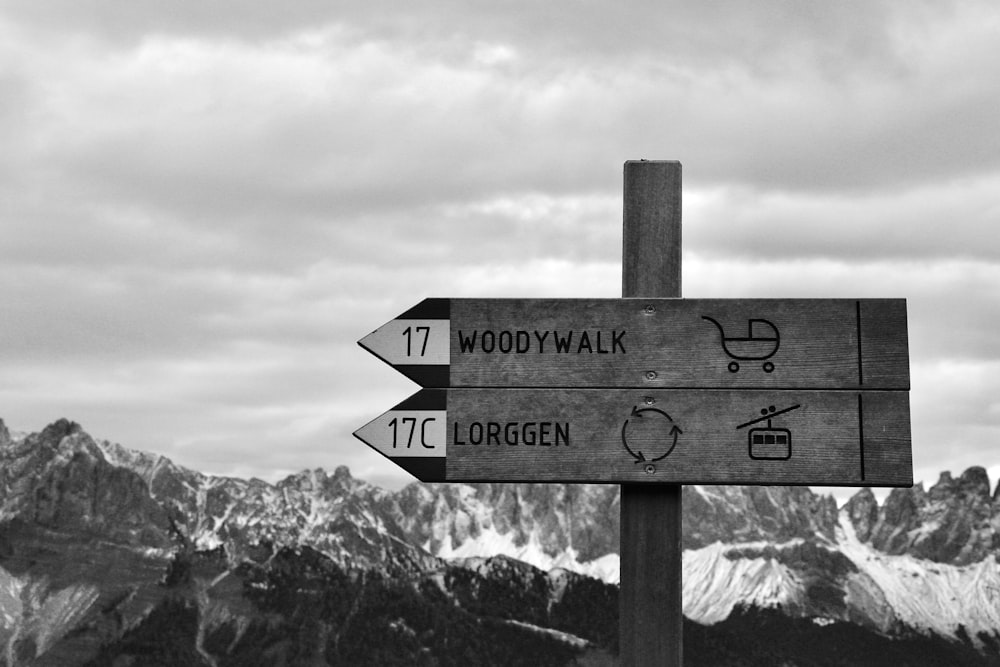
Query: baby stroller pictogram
{"points": [[760, 343]]}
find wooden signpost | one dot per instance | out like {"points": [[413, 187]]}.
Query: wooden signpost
{"points": [[650, 391]]}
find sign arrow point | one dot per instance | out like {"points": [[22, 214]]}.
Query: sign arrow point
{"points": [[412, 435], [417, 343]]}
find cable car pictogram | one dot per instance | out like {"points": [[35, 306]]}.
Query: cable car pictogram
{"points": [[760, 343], [769, 443]]}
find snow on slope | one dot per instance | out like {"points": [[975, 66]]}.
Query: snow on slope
{"points": [[490, 543], [886, 593], [713, 584], [927, 596], [30, 608]]}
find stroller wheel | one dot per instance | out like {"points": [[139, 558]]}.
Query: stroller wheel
{"points": [[733, 367]]}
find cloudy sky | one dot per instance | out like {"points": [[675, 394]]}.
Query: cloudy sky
{"points": [[203, 206]]}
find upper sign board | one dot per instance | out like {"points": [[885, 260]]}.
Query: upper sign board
{"points": [[850, 344], [682, 436]]}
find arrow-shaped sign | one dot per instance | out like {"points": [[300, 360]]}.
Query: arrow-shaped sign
{"points": [[839, 438], [850, 344], [417, 343]]}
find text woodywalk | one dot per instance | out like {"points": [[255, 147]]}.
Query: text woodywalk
{"points": [[524, 342]]}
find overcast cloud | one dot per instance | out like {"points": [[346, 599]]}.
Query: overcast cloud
{"points": [[203, 206]]}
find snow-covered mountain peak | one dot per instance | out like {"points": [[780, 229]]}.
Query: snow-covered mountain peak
{"points": [[914, 562]]}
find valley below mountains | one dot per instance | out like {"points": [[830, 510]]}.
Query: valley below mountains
{"points": [[113, 556]]}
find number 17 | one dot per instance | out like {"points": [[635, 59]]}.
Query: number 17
{"points": [[408, 332]]}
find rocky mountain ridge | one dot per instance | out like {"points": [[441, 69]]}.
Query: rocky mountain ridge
{"points": [[924, 561], [61, 476]]}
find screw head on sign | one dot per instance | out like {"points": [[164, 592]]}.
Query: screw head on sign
{"points": [[650, 375], [650, 469], [649, 400], [649, 309]]}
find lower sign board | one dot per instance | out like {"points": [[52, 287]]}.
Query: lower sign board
{"points": [[790, 437]]}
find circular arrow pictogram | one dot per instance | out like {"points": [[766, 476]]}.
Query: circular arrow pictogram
{"points": [[651, 438]]}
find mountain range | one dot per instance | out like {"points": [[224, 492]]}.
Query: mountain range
{"points": [[112, 556]]}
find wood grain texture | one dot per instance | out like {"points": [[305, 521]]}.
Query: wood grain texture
{"points": [[651, 618], [708, 343], [823, 437], [651, 243]]}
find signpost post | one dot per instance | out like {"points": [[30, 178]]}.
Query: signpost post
{"points": [[650, 391], [650, 606]]}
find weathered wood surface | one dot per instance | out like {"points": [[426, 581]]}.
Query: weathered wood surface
{"points": [[650, 609], [650, 615], [697, 343], [838, 438]]}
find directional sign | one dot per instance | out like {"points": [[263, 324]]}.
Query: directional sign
{"points": [[700, 436], [856, 344]]}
